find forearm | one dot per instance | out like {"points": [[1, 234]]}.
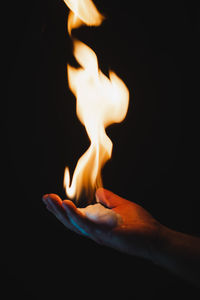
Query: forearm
{"points": [[179, 253]]}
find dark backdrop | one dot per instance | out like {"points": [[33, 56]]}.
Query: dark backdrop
{"points": [[154, 49]]}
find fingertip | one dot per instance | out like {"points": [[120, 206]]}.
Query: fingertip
{"points": [[101, 196], [44, 197], [68, 203], [99, 193], [69, 206], [108, 198], [54, 197], [101, 189]]}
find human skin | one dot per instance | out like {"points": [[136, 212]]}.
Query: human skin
{"points": [[138, 234]]}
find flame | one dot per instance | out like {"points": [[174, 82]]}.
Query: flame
{"points": [[100, 102], [82, 12]]}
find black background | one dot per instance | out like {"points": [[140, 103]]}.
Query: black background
{"points": [[154, 49]]}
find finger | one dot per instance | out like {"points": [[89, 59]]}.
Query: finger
{"points": [[54, 205], [108, 198], [67, 205], [70, 204], [45, 200], [49, 206], [54, 198]]}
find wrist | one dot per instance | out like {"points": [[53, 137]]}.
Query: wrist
{"points": [[160, 244]]}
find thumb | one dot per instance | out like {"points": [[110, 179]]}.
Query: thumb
{"points": [[108, 198]]}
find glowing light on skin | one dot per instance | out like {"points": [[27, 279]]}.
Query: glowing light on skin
{"points": [[101, 215], [78, 227]]}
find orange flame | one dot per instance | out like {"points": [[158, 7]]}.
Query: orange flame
{"points": [[101, 101]]}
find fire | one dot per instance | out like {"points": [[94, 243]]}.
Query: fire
{"points": [[82, 12], [100, 102]]}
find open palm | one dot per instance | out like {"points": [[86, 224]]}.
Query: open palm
{"points": [[133, 235]]}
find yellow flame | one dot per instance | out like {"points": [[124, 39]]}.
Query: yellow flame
{"points": [[82, 12], [100, 102]]}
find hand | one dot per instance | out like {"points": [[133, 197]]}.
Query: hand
{"points": [[134, 235], [137, 233]]}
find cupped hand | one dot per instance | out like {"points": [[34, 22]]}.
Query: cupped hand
{"points": [[135, 234]]}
